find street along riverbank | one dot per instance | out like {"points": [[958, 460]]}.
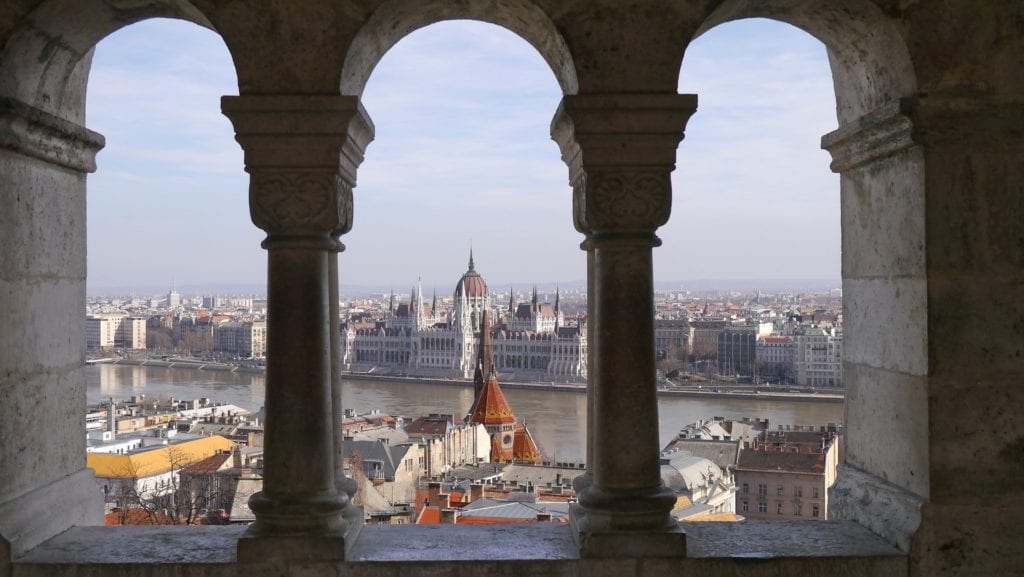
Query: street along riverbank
{"points": [[707, 390]]}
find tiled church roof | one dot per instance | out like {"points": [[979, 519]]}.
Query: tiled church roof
{"points": [[491, 408]]}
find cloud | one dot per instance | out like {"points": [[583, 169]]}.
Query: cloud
{"points": [[462, 153]]}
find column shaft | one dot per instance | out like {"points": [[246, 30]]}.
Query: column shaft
{"points": [[625, 454], [302, 152], [299, 492], [620, 149]]}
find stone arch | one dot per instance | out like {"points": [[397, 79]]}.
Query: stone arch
{"points": [[395, 19], [46, 62], [884, 477], [870, 61]]}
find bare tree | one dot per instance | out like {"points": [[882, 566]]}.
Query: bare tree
{"points": [[177, 496]]}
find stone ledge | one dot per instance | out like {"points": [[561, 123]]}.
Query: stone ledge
{"points": [[189, 550], [34, 517], [138, 546], [887, 509], [41, 135], [784, 539]]}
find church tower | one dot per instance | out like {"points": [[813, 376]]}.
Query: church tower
{"points": [[485, 357], [511, 441]]}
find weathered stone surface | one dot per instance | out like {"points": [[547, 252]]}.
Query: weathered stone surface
{"points": [[888, 510], [393, 20], [464, 542], [949, 544], [871, 64], [885, 323], [881, 406], [977, 327], [42, 219], [974, 197], [43, 420], [778, 539], [33, 132], [976, 440], [33, 517], [493, 551], [139, 546], [883, 220], [45, 334]]}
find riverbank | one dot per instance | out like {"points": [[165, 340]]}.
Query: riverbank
{"points": [[714, 391], [179, 364], [705, 391]]}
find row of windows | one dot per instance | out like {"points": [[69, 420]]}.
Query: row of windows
{"points": [[798, 509], [798, 491]]}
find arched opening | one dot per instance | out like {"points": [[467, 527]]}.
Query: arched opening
{"points": [[885, 362], [46, 63], [170, 242], [395, 19], [46, 155], [749, 318], [462, 160]]}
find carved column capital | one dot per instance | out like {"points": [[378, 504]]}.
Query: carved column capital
{"points": [[284, 202], [621, 151], [302, 153]]}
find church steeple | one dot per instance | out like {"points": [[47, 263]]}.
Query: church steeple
{"points": [[484, 364], [558, 311], [471, 259]]}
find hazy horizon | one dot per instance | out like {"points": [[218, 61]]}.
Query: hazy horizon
{"points": [[446, 289]]}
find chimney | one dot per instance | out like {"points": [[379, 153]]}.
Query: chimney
{"points": [[448, 516], [434, 495], [476, 491]]}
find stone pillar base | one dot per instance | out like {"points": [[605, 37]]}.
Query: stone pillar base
{"points": [[257, 548], [890, 512], [624, 544], [50, 510]]}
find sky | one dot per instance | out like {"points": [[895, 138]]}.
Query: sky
{"points": [[462, 158]]}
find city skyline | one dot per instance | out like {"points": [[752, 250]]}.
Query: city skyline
{"points": [[462, 157]]}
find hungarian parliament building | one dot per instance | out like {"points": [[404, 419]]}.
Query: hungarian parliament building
{"points": [[530, 341]]}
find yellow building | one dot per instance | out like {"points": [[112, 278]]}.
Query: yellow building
{"points": [[151, 472]]}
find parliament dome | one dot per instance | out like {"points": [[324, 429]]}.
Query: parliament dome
{"points": [[472, 285]]}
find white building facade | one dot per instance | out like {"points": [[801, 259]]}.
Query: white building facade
{"points": [[819, 356], [115, 330], [416, 339]]}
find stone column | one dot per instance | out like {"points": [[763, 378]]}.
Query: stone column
{"points": [[301, 153], [882, 484], [43, 165], [621, 150]]}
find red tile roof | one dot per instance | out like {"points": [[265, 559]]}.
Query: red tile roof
{"points": [[207, 466], [524, 448], [135, 516], [426, 427], [430, 516], [491, 408]]}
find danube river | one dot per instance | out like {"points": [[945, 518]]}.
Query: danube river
{"points": [[556, 418]]}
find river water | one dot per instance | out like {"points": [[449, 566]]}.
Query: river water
{"points": [[556, 418]]}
